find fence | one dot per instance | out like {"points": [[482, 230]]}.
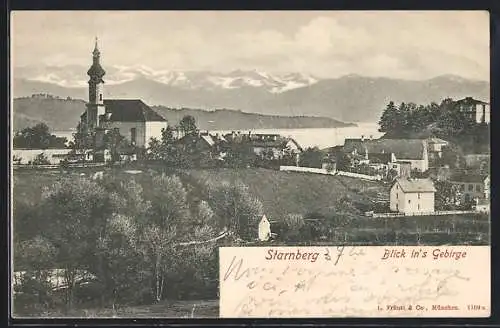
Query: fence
{"points": [[334, 172], [57, 166], [306, 170], [395, 215], [360, 176]]}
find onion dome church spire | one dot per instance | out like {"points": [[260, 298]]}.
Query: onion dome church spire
{"points": [[96, 72]]}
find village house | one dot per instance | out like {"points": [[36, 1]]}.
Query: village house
{"points": [[477, 161], [272, 146], [473, 186], [411, 196], [205, 143], [389, 151], [435, 147], [403, 169], [476, 110], [132, 118]]}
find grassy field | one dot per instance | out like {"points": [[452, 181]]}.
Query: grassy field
{"points": [[293, 192], [284, 193], [280, 192]]}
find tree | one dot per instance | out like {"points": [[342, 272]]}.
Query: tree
{"points": [[164, 225], [38, 137], [453, 156], [391, 119], [239, 154], [448, 195], [41, 159], [82, 141], [293, 226], [391, 175], [312, 157], [34, 291], [76, 213], [236, 208], [344, 161], [188, 125], [116, 143], [154, 150]]}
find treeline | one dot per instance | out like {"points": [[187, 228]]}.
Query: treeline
{"points": [[129, 237], [444, 120], [38, 137]]}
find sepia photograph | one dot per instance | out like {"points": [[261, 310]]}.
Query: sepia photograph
{"points": [[143, 142]]}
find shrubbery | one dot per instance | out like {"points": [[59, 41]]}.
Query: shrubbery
{"points": [[130, 240]]}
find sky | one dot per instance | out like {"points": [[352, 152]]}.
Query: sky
{"points": [[327, 44]]}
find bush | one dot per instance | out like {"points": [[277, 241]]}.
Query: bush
{"points": [[41, 159]]}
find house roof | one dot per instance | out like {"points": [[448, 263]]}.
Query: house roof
{"points": [[468, 177], [402, 148], [383, 158], [131, 110], [351, 145], [209, 139], [470, 101], [416, 185], [437, 141]]}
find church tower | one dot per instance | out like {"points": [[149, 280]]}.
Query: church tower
{"points": [[95, 106]]}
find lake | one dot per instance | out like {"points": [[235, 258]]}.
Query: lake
{"points": [[319, 137]]}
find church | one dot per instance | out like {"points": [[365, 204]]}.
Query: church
{"points": [[132, 118]]}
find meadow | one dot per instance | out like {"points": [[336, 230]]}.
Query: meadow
{"points": [[315, 197]]}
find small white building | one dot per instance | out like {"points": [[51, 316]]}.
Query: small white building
{"points": [[264, 229], [410, 196]]}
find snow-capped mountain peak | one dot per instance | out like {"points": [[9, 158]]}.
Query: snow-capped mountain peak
{"points": [[75, 76]]}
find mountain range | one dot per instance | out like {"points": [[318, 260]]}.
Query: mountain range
{"points": [[350, 98]]}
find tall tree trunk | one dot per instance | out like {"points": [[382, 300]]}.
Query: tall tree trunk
{"points": [[158, 275]]}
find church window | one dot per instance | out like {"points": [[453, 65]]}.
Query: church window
{"points": [[133, 135], [100, 96]]}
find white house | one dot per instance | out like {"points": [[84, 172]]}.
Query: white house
{"points": [[410, 196], [132, 118], [476, 110]]}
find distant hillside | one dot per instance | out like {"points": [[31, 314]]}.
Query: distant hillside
{"points": [[349, 98], [224, 119], [64, 114]]}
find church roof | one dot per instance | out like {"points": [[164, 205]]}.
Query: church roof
{"points": [[131, 110]]}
